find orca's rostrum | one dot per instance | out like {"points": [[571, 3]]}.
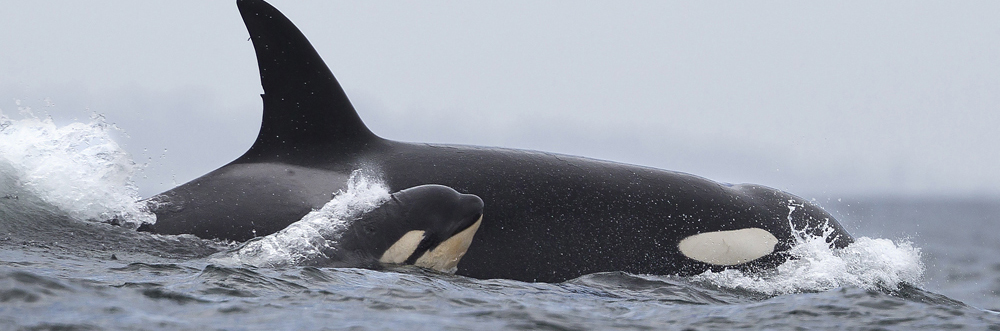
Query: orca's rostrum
{"points": [[547, 217]]}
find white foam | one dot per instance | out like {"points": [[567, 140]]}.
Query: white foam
{"points": [[316, 232], [871, 264], [77, 168]]}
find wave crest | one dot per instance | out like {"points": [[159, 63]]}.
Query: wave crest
{"points": [[316, 233], [870, 264], [76, 168]]}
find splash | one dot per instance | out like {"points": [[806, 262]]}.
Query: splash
{"points": [[871, 264], [308, 238], [77, 168]]}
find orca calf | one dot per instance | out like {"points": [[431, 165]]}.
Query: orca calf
{"points": [[551, 217], [429, 226]]}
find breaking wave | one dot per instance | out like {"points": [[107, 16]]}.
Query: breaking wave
{"points": [[814, 266], [317, 231], [76, 168]]}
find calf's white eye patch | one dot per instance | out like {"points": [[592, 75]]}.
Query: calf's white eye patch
{"points": [[403, 248], [728, 247]]}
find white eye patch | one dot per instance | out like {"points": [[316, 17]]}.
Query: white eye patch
{"points": [[403, 248], [728, 247]]}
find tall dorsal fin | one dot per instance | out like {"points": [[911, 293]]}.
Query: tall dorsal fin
{"points": [[305, 109]]}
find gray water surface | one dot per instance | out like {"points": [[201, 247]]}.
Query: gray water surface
{"points": [[57, 273]]}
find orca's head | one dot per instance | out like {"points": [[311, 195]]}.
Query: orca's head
{"points": [[757, 230], [429, 226]]}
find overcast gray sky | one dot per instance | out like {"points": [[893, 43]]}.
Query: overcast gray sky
{"points": [[816, 98]]}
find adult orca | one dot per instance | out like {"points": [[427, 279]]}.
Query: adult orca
{"points": [[429, 226], [550, 217]]}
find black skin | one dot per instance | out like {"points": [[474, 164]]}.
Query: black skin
{"points": [[550, 217], [439, 211]]}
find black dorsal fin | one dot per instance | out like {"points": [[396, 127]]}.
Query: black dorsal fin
{"points": [[305, 109]]}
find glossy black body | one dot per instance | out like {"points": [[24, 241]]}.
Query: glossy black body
{"points": [[548, 217]]}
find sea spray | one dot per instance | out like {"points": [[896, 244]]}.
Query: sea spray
{"points": [[814, 265], [77, 168], [308, 238]]}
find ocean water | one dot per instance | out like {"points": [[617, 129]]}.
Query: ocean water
{"points": [[919, 263]]}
